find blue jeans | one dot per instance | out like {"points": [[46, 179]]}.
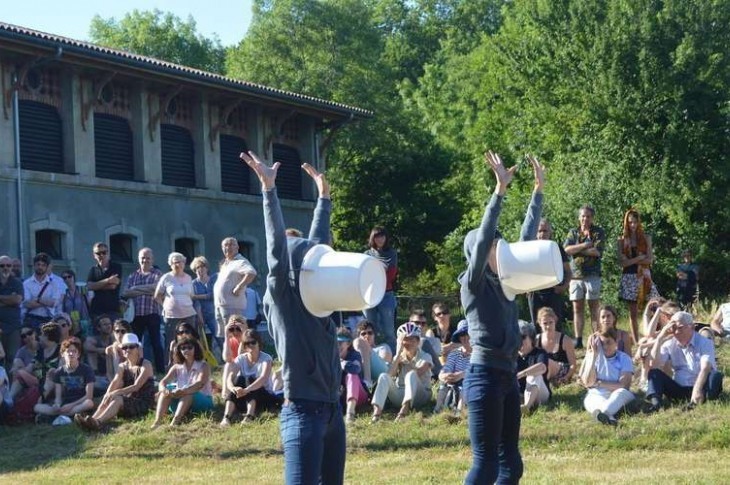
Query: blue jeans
{"points": [[493, 397], [383, 318], [661, 384], [308, 428]]}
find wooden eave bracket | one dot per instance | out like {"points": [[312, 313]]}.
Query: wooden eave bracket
{"points": [[164, 104], [87, 106]]}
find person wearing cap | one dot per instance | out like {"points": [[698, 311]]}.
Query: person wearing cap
{"points": [[408, 381], [491, 384], [452, 374], [606, 373], [690, 358], [311, 419], [132, 391], [532, 370]]}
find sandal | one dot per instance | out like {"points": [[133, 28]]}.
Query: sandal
{"points": [[249, 418], [375, 418]]}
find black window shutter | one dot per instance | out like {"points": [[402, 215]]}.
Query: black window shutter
{"points": [[178, 156], [41, 137], [289, 176], [113, 147], [234, 172]]}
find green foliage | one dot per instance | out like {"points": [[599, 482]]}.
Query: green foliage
{"points": [[160, 35]]}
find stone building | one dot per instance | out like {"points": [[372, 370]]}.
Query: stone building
{"points": [[139, 152]]}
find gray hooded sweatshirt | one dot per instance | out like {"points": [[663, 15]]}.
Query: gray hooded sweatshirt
{"points": [[493, 329], [306, 345]]}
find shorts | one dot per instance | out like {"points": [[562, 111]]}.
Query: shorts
{"points": [[588, 288], [629, 288]]}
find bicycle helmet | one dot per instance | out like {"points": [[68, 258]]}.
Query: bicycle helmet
{"points": [[409, 329]]}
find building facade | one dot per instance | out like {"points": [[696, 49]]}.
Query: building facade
{"points": [[139, 152]]}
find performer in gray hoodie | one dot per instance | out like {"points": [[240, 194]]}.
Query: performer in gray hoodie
{"points": [[491, 381], [311, 419]]}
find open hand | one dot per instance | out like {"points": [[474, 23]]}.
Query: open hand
{"points": [[266, 174], [503, 175], [539, 170], [319, 179]]}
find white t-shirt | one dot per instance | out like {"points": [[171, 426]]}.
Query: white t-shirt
{"points": [[230, 274], [409, 365], [254, 371], [725, 310], [178, 296]]}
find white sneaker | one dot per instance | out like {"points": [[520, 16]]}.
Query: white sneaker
{"points": [[61, 421]]}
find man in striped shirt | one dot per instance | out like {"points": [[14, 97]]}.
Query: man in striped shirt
{"points": [[452, 373]]}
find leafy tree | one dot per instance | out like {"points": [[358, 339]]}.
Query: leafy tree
{"points": [[160, 35]]}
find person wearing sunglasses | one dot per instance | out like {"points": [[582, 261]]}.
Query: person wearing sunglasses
{"points": [[183, 330], [443, 329], [250, 381], [11, 296], [311, 422], [22, 370], [75, 303], [376, 359], [104, 280], [132, 391], [231, 347], [41, 295], [113, 353], [186, 386]]}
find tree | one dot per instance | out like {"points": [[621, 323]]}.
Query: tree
{"points": [[162, 36]]}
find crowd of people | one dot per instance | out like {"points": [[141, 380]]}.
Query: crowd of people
{"points": [[69, 355]]}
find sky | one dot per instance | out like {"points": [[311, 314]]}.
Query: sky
{"points": [[71, 18]]}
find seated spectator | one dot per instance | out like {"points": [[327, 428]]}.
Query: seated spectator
{"points": [[65, 324], [353, 392], [231, 347], [430, 345], [443, 330], [376, 359], [6, 401], [47, 359], [532, 370], [23, 364], [131, 392], [606, 373], [451, 377], [608, 318], [114, 353], [408, 381], [183, 330], [95, 347], [691, 360], [560, 350], [657, 314], [74, 386], [186, 386], [250, 381], [721, 321]]}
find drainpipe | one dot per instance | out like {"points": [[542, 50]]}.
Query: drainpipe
{"points": [[19, 177]]}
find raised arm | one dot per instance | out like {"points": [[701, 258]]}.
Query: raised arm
{"points": [[534, 210], [319, 232]]}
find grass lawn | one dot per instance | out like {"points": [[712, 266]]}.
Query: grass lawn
{"points": [[559, 443]]}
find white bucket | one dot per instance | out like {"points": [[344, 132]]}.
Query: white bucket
{"points": [[337, 281], [528, 266]]}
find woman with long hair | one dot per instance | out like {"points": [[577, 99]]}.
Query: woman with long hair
{"points": [[635, 255], [383, 315]]}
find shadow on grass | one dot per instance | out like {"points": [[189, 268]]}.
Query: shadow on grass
{"points": [[28, 447]]}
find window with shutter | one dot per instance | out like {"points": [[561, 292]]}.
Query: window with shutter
{"points": [[41, 137], [289, 176], [113, 147], [178, 156], [234, 173]]}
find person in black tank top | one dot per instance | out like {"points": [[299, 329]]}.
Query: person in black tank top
{"points": [[562, 362]]}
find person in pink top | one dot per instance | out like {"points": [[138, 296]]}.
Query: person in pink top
{"points": [[175, 293], [186, 387]]}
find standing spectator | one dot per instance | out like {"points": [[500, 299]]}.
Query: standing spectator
{"points": [[235, 274], [383, 315], [42, 298], [11, 296], [550, 297], [253, 307], [635, 256], [491, 384], [311, 419], [692, 361], [585, 244], [75, 303], [606, 373], [408, 381], [688, 277], [141, 286], [18, 268], [175, 293], [203, 299], [104, 279]]}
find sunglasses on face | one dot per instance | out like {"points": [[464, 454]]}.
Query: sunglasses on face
{"points": [[365, 333], [127, 348], [100, 253], [67, 277], [234, 330], [250, 343], [6, 265], [26, 334], [184, 348], [120, 331], [441, 314]]}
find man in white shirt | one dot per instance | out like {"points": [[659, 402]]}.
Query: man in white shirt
{"points": [[691, 358], [42, 297], [721, 321], [229, 291]]}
